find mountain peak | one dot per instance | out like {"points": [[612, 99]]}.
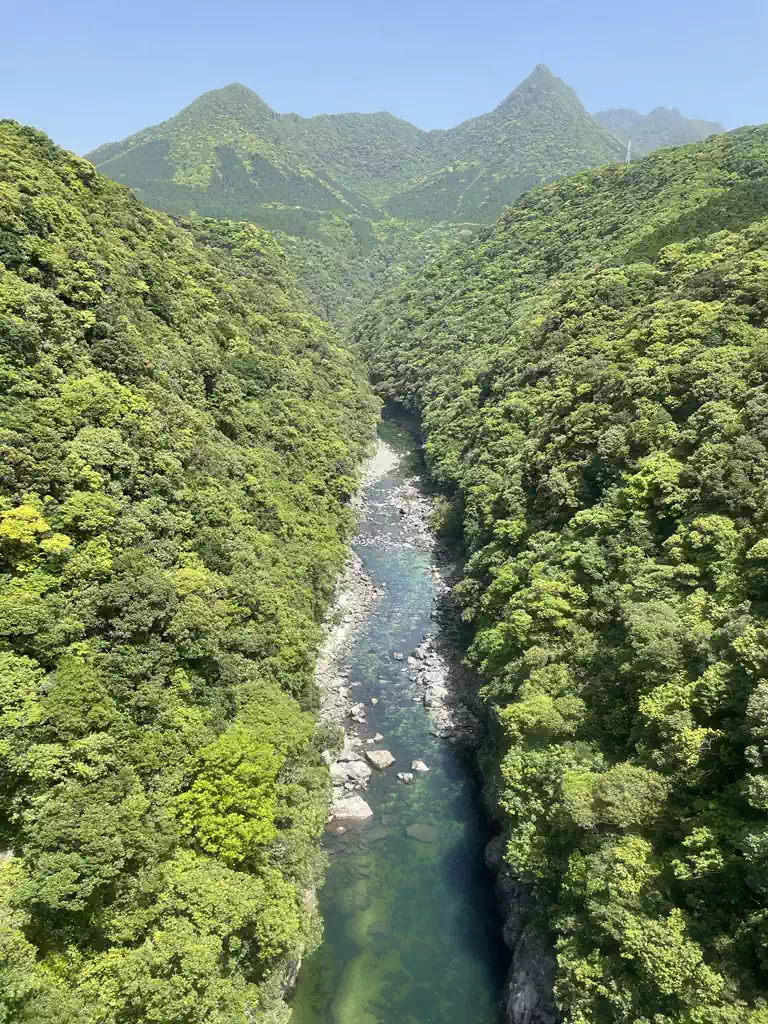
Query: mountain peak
{"points": [[234, 94], [540, 82]]}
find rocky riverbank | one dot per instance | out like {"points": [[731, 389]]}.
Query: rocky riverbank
{"points": [[428, 673], [434, 667]]}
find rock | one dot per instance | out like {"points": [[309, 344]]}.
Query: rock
{"points": [[340, 831], [352, 809], [419, 766], [413, 662], [494, 854], [397, 655], [370, 740], [374, 700], [380, 758], [378, 738], [423, 832], [528, 995], [405, 776]]}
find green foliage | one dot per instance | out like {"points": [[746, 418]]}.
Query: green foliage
{"points": [[359, 200], [591, 379], [178, 441]]}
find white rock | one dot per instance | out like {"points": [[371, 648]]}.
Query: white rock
{"points": [[378, 738], [419, 766], [380, 758], [405, 776], [352, 809], [374, 700]]}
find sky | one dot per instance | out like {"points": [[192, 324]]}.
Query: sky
{"points": [[90, 71]]}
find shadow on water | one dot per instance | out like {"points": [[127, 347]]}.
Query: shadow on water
{"points": [[410, 928]]}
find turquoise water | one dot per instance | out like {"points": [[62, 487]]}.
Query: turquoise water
{"points": [[410, 934]]}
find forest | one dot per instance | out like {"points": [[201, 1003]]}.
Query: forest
{"points": [[591, 376], [179, 438], [360, 200]]}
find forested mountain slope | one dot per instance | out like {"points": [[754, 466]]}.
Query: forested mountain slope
{"points": [[662, 127], [356, 196], [177, 442], [592, 377], [539, 132]]}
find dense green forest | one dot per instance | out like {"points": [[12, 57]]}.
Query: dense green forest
{"points": [[358, 198], [591, 375], [178, 440]]}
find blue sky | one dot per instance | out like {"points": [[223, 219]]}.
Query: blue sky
{"points": [[90, 71]]}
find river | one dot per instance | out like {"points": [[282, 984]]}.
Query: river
{"points": [[410, 931]]}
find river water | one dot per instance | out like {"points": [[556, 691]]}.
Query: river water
{"points": [[410, 933]]}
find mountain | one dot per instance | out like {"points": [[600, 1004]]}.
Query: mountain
{"points": [[591, 377], [662, 127], [539, 132], [356, 198], [228, 154], [179, 439]]}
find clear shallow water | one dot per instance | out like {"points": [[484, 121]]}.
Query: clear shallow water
{"points": [[410, 933]]}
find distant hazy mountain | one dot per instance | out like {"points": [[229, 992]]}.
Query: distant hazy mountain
{"points": [[662, 127]]}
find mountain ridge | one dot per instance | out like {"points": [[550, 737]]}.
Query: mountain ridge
{"points": [[354, 196], [662, 126]]}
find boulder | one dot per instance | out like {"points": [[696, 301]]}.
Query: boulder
{"points": [[351, 809], [380, 758], [405, 776], [423, 832], [419, 766], [398, 656]]}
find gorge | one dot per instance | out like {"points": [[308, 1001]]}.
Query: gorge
{"points": [[565, 557]]}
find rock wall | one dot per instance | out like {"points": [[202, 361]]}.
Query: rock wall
{"points": [[527, 995]]}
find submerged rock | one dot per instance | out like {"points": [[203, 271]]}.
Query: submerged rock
{"points": [[380, 758], [423, 832], [405, 776]]}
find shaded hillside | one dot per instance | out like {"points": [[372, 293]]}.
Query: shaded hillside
{"points": [[591, 376], [178, 439], [662, 127]]}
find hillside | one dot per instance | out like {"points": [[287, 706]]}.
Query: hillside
{"points": [[662, 127], [539, 132], [591, 378], [178, 440], [354, 195]]}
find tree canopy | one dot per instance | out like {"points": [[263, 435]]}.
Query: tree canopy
{"points": [[178, 441], [591, 376]]}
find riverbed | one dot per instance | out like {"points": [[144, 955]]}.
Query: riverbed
{"points": [[410, 930]]}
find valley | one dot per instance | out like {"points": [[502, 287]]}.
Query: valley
{"points": [[515, 772]]}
